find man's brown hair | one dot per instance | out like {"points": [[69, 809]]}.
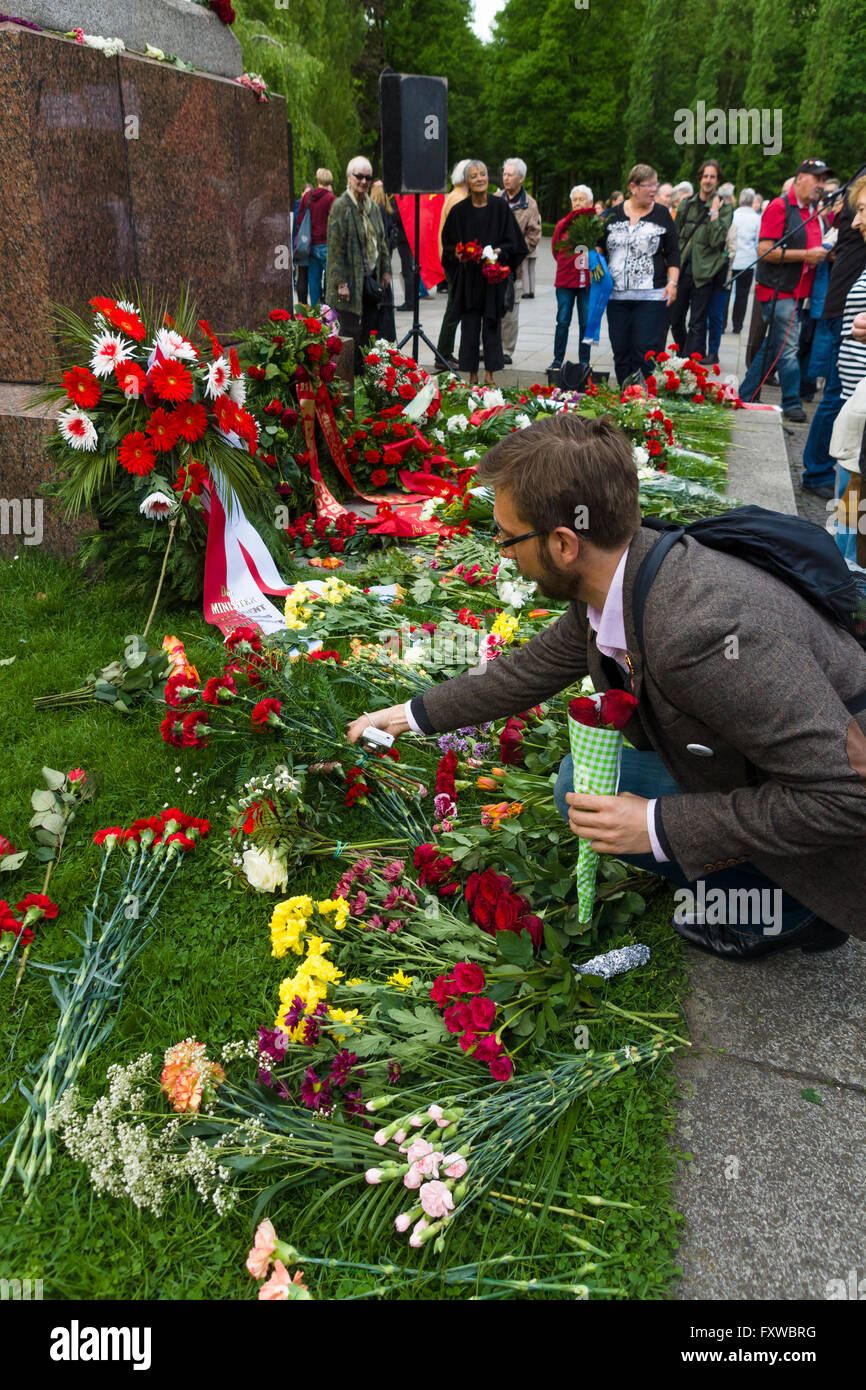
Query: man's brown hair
{"points": [[552, 468]]}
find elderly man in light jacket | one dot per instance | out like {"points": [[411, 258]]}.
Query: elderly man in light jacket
{"points": [[525, 209]]}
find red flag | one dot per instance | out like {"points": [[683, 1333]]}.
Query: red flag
{"points": [[431, 215]]}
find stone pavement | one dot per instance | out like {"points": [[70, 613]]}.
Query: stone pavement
{"points": [[773, 1108]]}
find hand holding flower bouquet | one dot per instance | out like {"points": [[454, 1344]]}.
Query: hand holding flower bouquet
{"points": [[492, 268], [595, 725], [583, 233]]}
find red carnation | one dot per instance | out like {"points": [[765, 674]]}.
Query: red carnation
{"points": [[407, 392], [47, 908], [315, 351], [136, 454], [177, 683], [82, 387], [256, 373], [168, 729], [279, 316], [379, 477], [334, 345], [171, 381], [274, 407], [266, 712]]}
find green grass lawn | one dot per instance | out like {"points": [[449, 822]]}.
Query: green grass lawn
{"points": [[208, 973]]}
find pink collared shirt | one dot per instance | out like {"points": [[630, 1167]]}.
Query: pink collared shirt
{"points": [[609, 628]]}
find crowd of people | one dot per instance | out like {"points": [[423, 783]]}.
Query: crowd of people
{"points": [[675, 258]]}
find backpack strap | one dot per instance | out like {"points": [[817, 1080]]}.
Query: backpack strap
{"points": [[645, 576]]}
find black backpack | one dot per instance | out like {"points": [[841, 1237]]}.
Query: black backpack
{"points": [[800, 553]]}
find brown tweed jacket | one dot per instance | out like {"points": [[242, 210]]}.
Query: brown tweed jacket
{"points": [[775, 699]]}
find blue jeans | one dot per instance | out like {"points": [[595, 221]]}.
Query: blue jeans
{"points": [[635, 326], [846, 536], [644, 774], [316, 273], [785, 329], [565, 301], [716, 318], [819, 470]]}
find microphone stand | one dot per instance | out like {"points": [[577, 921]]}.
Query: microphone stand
{"points": [[416, 332]]}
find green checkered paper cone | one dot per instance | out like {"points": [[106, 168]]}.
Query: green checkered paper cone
{"points": [[597, 754]]}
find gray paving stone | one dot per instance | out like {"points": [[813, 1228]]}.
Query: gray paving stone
{"points": [[774, 1196]]}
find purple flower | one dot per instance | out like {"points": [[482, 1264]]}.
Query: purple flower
{"points": [[481, 750], [316, 1094], [295, 1013], [357, 908], [263, 1076], [353, 1102], [25, 23], [311, 1033], [272, 1043], [395, 1071], [393, 870], [341, 1067], [395, 925]]}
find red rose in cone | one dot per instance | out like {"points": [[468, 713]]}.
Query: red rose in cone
{"points": [[617, 708], [585, 711]]}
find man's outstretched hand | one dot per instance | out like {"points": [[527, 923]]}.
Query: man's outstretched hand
{"points": [[612, 824], [392, 721]]}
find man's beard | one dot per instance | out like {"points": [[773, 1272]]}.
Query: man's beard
{"points": [[553, 584]]}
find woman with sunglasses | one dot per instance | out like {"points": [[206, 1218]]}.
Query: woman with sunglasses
{"points": [[358, 260]]}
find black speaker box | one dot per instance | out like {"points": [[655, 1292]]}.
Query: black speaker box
{"points": [[414, 115]]}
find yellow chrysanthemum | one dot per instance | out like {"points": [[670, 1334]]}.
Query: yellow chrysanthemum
{"points": [[317, 968], [339, 907], [288, 935], [356, 981], [505, 627], [352, 1016], [399, 980]]}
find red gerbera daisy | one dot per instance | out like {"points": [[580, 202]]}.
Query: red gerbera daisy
{"points": [[136, 454], [171, 381], [124, 319], [130, 378], [234, 363], [191, 480], [190, 421], [162, 430], [82, 387]]}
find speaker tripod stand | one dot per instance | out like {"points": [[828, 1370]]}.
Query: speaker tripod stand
{"points": [[416, 332]]}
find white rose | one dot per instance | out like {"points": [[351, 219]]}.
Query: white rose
{"points": [[492, 398], [521, 421], [457, 422], [640, 455], [471, 454], [489, 254], [265, 872]]}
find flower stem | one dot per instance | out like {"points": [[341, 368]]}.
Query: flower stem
{"points": [[171, 530]]}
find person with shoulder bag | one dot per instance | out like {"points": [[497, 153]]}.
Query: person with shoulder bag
{"points": [[359, 262]]}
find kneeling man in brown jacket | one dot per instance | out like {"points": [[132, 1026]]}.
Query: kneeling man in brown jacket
{"points": [[748, 770]]}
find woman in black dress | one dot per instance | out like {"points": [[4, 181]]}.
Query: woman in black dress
{"points": [[479, 302]]}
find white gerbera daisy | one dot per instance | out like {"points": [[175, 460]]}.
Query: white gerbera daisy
{"points": [[173, 344], [157, 507], [238, 389], [217, 378], [108, 350], [77, 429]]}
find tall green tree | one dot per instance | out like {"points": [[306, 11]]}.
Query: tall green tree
{"points": [[834, 79]]}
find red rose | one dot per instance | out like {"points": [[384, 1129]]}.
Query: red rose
{"points": [[482, 1012], [488, 1049], [507, 913], [469, 978], [534, 926], [279, 316], [458, 1017], [443, 990], [289, 418], [274, 407], [585, 711], [327, 371], [482, 915], [617, 708], [471, 890], [493, 885], [468, 1041], [501, 1068], [378, 477]]}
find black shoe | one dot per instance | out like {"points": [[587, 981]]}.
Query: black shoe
{"points": [[817, 936], [528, 296], [402, 308], [555, 367], [454, 364], [797, 415], [709, 361], [506, 359], [825, 492]]}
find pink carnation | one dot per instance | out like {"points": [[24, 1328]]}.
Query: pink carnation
{"points": [[277, 1287], [415, 1238], [373, 1176], [418, 1149], [436, 1199], [403, 1222], [263, 1248], [455, 1165]]}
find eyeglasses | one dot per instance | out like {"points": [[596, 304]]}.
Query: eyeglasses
{"points": [[514, 540], [362, 178], [651, 187]]}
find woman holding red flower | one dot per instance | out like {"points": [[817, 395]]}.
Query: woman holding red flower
{"points": [[479, 300]]}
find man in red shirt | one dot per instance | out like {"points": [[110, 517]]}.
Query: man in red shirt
{"points": [[784, 282]]}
